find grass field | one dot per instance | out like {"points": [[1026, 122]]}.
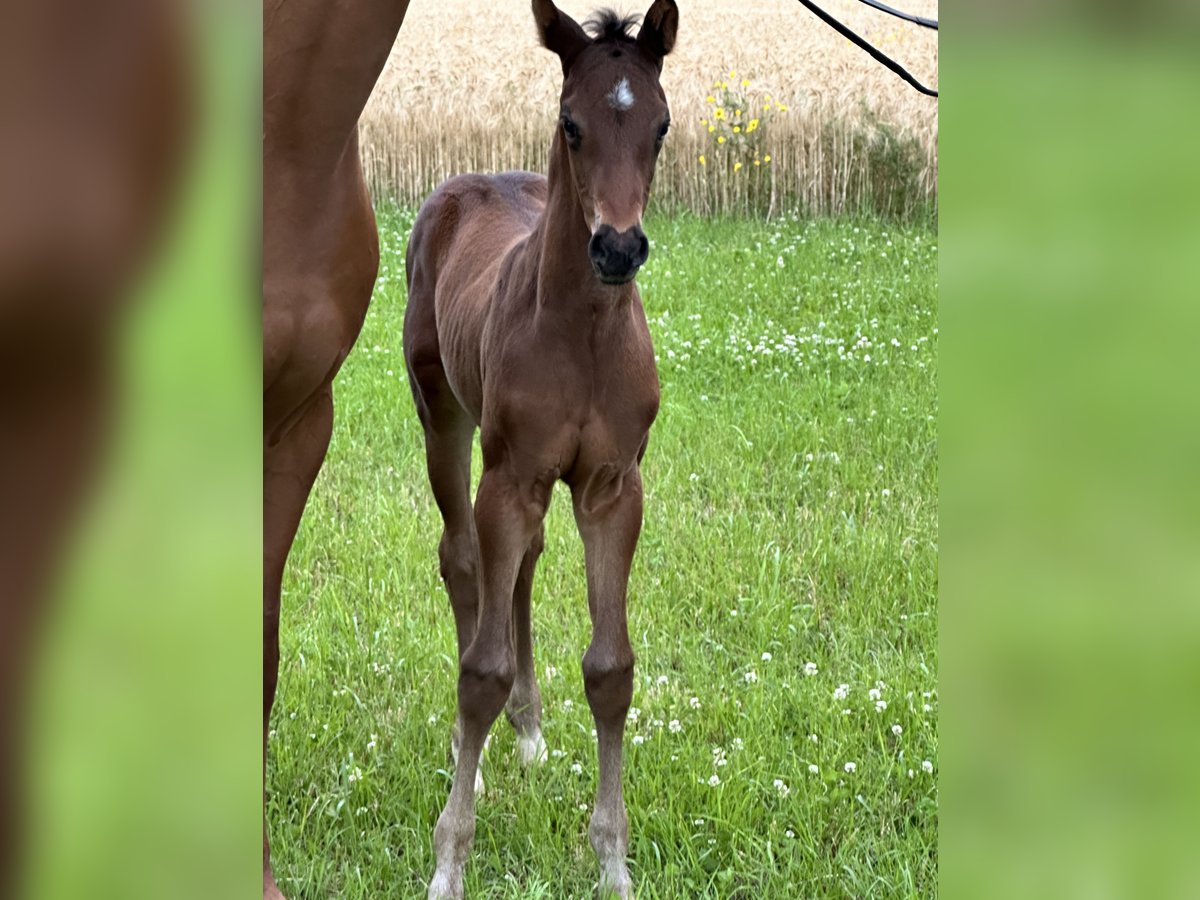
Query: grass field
{"points": [[467, 88], [782, 604]]}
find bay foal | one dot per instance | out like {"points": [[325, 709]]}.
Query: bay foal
{"points": [[523, 320]]}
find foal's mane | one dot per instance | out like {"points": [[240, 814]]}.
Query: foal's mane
{"points": [[610, 25]]}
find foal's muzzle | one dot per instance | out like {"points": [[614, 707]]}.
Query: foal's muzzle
{"points": [[617, 255]]}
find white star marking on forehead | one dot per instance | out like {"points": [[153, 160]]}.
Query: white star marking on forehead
{"points": [[620, 97]]}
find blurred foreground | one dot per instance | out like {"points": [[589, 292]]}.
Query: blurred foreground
{"points": [[128, 406]]}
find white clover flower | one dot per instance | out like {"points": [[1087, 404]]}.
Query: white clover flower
{"points": [[714, 780], [662, 679], [841, 692], [814, 768], [751, 677], [694, 703], [927, 708], [371, 742], [850, 767], [638, 740], [634, 712], [910, 773], [789, 833], [810, 669], [927, 766], [738, 743], [874, 693], [674, 726], [886, 492], [813, 738], [782, 787], [880, 705], [697, 821], [766, 657], [576, 768], [897, 730]]}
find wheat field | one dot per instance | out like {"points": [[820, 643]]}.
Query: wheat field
{"points": [[468, 88]]}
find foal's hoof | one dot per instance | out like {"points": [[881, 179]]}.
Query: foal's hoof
{"points": [[446, 886], [615, 882], [270, 889], [531, 749]]}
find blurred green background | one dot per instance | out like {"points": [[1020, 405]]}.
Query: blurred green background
{"points": [[1068, 586]]}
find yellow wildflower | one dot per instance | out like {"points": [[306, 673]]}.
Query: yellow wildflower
{"points": [[752, 126], [711, 129], [724, 85], [702, 162], [737, 129], [767, 158], [758, 162], [719, 113], [710, 99], [781, 107], [736, 166], [745, 82], [720, 139], [733, 74]]}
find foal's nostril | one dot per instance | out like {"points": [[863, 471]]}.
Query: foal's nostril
{"points": [[616, 256], [643, 247]]}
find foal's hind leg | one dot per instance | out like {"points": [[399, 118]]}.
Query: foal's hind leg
{"points": [[448, 434], [524, 707]]}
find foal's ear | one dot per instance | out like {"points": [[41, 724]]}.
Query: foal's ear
{"points": [[659, 25], [559, 32]]}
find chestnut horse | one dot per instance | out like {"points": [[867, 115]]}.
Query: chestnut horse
{"points": [[320, 257], [524, 321]]}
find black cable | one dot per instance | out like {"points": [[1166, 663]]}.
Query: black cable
{"points": [[907, 17], [875, 54]]}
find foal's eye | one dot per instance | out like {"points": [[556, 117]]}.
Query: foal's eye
{"points": [[571, 130], [662, 131]]}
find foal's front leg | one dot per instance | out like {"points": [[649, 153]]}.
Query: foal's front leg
{"points": [[505, 520], [610, 533]]}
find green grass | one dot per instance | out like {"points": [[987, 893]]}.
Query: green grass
{"points": [[791, 510]]}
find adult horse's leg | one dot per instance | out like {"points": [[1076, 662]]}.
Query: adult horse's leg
{"points": [[524, 707], [610, 532], [506, 518], [290, 467], [448, 434]]}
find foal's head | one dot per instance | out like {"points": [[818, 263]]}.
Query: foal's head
{"points": [[613, 119]]}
